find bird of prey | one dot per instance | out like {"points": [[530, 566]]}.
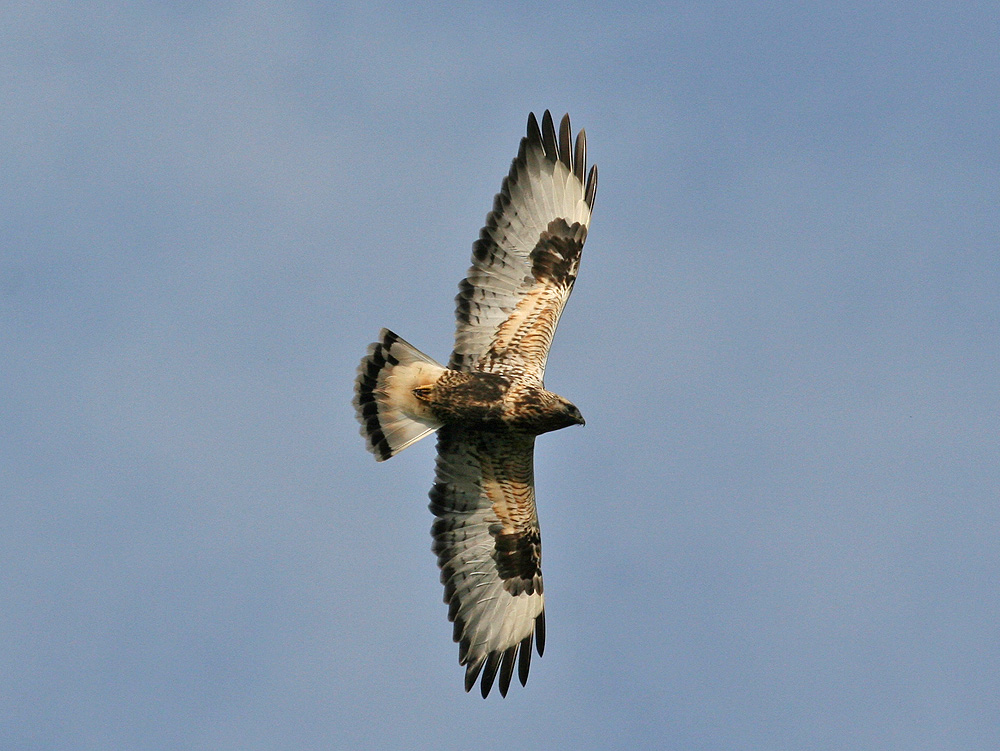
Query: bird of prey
{"points": [[489, 403]]}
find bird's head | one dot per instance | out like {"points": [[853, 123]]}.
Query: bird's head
{"points": [[573, 414], [542, 411]]}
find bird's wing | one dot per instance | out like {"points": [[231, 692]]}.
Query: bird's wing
{"points": [[488, 545], [526, 259]]}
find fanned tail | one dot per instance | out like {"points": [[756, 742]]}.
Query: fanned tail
{"points": [[391, 417]]}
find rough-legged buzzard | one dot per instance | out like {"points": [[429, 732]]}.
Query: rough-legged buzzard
{"points": [[489, 403]]}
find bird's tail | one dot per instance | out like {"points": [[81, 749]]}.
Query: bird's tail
{"points": [[391, 417]]}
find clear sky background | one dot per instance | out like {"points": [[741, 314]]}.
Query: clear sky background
{"points": [[779, 528]]}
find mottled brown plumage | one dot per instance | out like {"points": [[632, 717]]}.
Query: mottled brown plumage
{"points": [[488, 405]]}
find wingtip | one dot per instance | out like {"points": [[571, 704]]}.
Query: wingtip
{"points": [[524, 663], [472, 671], [534, 132], [489, 673], [559, 145], [590, 192], [507, 668], [549, 143]]}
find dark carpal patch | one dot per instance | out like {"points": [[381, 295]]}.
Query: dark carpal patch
{"points": [[518, 557], [556, 257]]}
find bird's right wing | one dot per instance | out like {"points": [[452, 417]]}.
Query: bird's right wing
{"points": [[526, 259]]}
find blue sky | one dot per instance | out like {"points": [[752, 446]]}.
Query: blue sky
{"points": [[778, 529]]}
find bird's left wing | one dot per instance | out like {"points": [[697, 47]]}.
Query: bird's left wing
{"points": [[488, 545], [526, 259]]}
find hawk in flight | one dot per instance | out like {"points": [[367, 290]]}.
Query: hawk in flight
{"points": [[488, 405]]}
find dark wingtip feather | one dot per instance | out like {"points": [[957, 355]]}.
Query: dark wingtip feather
{"points": [[549, 137], [507, 668], [490, 668], [580, 156], [565, 143], [524, 664], [534, 134], [540, 633], [560, 147], [471, 673], [590, 194]]}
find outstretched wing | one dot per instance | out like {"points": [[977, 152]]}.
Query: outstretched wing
{"points": [[489, 549], [526, 259]]}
